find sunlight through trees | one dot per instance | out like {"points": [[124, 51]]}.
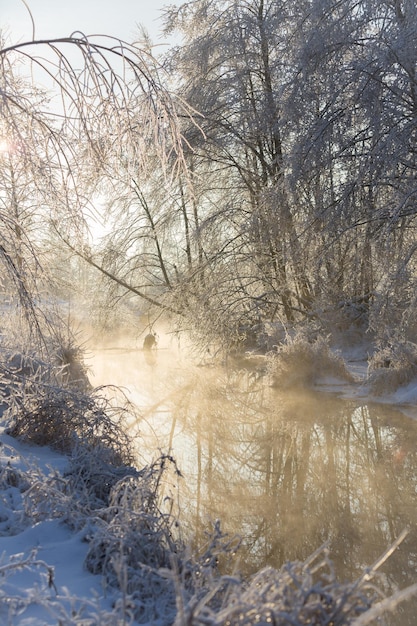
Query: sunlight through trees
{"points": [[262, 171]]}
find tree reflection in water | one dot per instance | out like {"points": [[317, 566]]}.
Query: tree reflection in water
{"points": [[289, 471]]}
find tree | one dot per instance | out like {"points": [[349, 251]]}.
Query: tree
{"points": [[308, 115], [274, 181], [354, 159], [234, 66], [93, 116]]}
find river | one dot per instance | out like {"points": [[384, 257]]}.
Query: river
{"points": [[287, 471]]}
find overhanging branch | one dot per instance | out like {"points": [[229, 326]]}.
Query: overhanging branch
{"points": [[88, 259]]}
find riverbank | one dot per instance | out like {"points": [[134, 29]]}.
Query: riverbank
{"points": [[42, 512], [43, 577]]}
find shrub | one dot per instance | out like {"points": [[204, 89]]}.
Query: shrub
{"points": [[64, 419], [299, 593], [392, 367], [93, 472], [301, 362], [134, 543], [13, 484]]}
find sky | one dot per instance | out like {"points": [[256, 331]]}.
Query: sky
{"points": [[59, 18]]}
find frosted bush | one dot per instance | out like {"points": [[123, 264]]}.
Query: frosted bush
{"points": [[303, 362], [13, 483], [93, 472], [134, 543], [392, 367], [64, 419], [300, 593]]}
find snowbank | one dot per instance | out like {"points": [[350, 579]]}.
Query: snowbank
{"points": [[43, 578]]}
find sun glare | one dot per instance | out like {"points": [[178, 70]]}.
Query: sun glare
{"points": [[4, 146]]}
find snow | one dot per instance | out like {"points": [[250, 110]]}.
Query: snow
{"points": [[356, 360], [60, 549], [404, 398], [29, 595]]}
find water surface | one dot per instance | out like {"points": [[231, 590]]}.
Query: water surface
{"points": [[286, 470]]}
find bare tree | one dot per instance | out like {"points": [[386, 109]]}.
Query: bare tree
{"points": [[283, 190], [108, 107], [308, 115]]}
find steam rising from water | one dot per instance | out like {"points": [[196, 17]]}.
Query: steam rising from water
{"points": [[151, 380], [287, 470]]}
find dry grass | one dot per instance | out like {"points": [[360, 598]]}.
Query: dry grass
{"points": [[134, 543], [301, 362], [392, 367], [65, 418], [300, 593]]}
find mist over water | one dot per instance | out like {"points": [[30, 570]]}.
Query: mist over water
{"points": [[287, 471]]}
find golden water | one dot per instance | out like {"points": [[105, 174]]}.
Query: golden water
{"points": [[287, 471]]}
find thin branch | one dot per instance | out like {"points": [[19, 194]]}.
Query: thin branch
{"points": [[118, 280]]}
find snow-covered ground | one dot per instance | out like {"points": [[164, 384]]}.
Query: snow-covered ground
{"points": [[43, 579], [404, 398]]}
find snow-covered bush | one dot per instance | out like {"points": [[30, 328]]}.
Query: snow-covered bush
{"points": [[134, 543], [64, 419], [299, 593], [13, 483], [301, 361], [392, 367], [93, 471]]}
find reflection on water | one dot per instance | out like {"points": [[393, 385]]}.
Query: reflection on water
{"points": [[286, 470]]}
